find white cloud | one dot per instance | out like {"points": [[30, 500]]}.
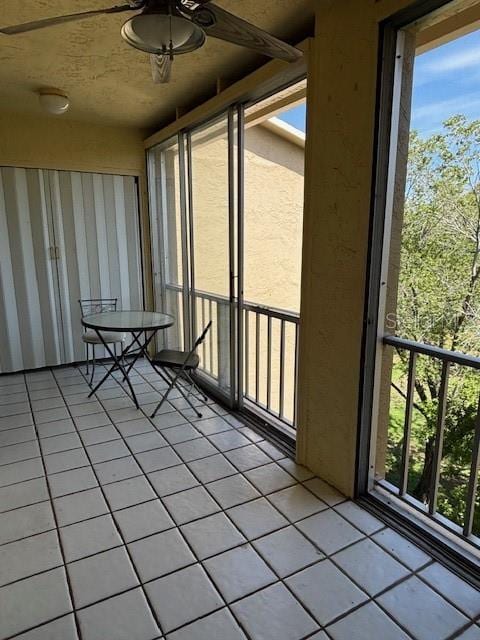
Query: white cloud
{"points": [[428, 118], [453, 62]]}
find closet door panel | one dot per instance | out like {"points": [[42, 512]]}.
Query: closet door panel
{"points": [[30, 330], [96, 228], [132, 235], [11, 356], [65, 209]]}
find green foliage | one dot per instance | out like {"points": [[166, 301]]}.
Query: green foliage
{"points": [[439, 303]]}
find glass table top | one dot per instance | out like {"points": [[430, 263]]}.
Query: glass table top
{"points": [[128, 321]]}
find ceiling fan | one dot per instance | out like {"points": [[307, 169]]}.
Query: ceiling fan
{"points": [[166, 28]]}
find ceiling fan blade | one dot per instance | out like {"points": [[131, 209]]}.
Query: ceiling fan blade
{"points": [[161, 68], [72, 17], [224, 25], [191, 5]]}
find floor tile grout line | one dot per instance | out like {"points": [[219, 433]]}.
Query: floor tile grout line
{"points": [[127, 550], [248, 541], [461, 631], [411, 572], [180, 532], [352, 524], [21, 460], [331, 507], [292, 523], [39, 626], [280, 578], [240, 472], [59, 540], [187, 542]]}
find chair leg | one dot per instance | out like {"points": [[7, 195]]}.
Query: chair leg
{"points": [[197, 387], [93, 364], [86, 349], [173, 384], [115, 349], [165, 396]]}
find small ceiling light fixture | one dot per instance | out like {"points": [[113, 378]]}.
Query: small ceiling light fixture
{"points": [[162, 29], [54, 101]]}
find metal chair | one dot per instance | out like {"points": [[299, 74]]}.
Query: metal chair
{"points": [[89, 306], [172, 365]]}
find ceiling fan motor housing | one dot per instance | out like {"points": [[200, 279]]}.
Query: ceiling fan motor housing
{"points": [[161, 28]]}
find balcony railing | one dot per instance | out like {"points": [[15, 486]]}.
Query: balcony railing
{"points": [[270, 347], [445, 359], [271, 350]]}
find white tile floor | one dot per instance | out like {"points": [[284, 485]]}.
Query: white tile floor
{"points": [[117, 527]]}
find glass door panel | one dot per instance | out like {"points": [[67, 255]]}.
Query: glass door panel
{"points": [[274, 154], [169, 232], [211, 247]]}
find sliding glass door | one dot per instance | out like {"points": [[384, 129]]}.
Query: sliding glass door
{"points": [[227, 207], [169, 231], [193, 201]]}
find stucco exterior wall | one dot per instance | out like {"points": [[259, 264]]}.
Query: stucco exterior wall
{"points": [[274, 169], [274, 185]]}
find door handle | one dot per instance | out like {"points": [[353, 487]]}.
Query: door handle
{"points": [[54, 252]]}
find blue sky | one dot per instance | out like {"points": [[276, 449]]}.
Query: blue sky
{"points": [[295, 117], [446, 82]]}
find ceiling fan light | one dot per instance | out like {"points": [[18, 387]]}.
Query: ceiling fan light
{"points": [[54, 103], [153, 33]]}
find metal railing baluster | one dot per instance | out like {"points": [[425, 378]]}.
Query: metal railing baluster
{"points": [[210, 337], [257, 355], [438, 445], [473, 479], [204, 346], [247, 351], [269, 362], [282, 369], [407, 428]]}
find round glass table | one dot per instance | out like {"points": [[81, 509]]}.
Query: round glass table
{"points": [[142, 325]]}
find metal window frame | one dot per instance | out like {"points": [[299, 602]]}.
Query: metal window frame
{"points": [[226, 115], [443, 549], [242, 340]]}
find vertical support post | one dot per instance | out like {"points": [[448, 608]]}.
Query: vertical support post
{"points": [[407, 424], [438, 447], [191, 239], [184, 221], [473, 479], [231, 255]]}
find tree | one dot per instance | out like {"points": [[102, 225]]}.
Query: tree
{"points": [[439, 296]]}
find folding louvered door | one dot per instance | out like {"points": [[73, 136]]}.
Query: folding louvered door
{"points": [[63, 236]]}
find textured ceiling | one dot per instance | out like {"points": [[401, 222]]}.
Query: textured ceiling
{"points": [[107, 80]]}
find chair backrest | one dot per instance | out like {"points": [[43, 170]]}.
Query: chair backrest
{"points": [[198, 342], [202, 336], [89, 306]]}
